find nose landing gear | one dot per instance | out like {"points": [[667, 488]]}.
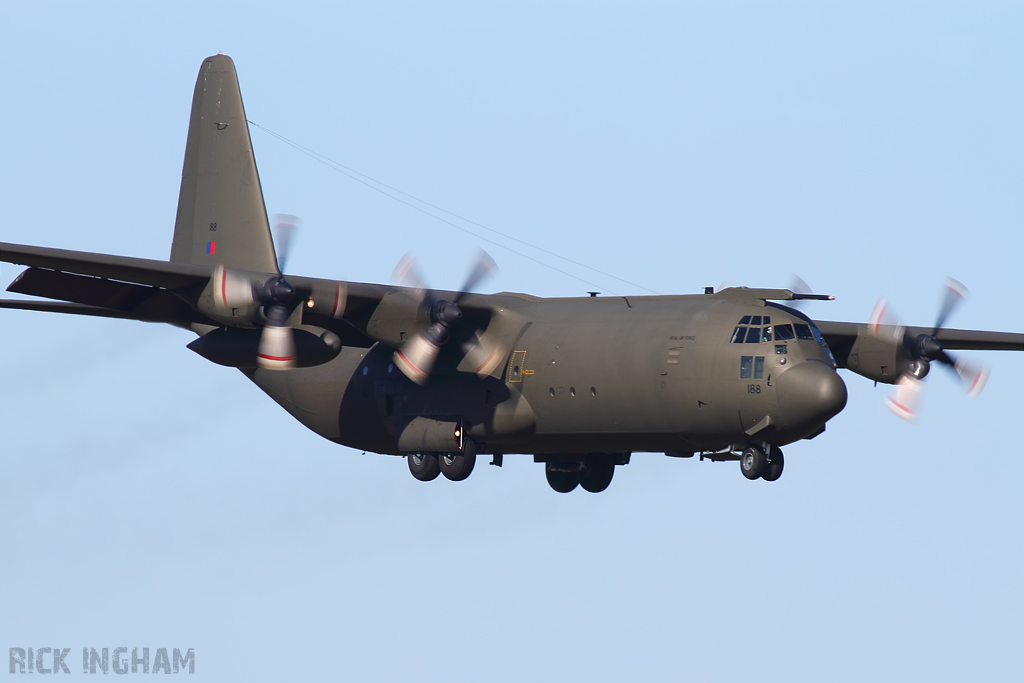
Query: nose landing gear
{"points": [[758, 463], [775, 465]]}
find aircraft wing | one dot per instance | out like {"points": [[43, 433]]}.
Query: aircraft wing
{"points": [[160, 291], [841, 336]]}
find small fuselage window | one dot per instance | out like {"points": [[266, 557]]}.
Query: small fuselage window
{"points": [[752, 367]]}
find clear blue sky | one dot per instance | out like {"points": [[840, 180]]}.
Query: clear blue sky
{"points": [[152, 499]]}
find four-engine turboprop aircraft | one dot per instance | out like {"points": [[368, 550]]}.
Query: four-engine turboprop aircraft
{"points": [[440, 377]]}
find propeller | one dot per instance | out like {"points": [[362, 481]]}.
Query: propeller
{"points": [[797, 285], [285, 227], [277, 343], [277, 296], [416, 357], [923, 349]]}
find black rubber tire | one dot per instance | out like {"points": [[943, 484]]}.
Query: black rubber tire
{"points": [[774, 469], [753, 462], [424, 466], [597, 474], [561, 480], [458, 466]]}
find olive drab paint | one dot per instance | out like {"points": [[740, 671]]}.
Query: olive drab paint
{"points": [[578, 383]]}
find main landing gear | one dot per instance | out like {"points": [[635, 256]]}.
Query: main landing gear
{"points": [[454, 466], [758, 463], [593, 472]]}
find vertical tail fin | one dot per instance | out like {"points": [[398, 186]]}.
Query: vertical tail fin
{"points": [[221, 216]]}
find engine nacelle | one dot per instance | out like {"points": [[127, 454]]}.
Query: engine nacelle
{"points": [[883, 357], [237, 347]]}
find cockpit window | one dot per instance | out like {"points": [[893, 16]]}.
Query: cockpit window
{"points": [[756, 320], [824, 344], [742, 334]]}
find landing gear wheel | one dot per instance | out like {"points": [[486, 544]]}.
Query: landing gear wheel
{"points": [[597, 474], [774, 469], [560, 479], [458, 466], [753, 462], [424, 466]]}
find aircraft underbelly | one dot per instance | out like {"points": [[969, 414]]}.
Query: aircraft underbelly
{"points": [[337, 400]]}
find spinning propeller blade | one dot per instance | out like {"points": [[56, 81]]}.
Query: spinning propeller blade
{"points": [[923, 349], [956, 294], [231, 289], [277, 297], [417, 356], [905, 398], [277, 348], [285, 227]]}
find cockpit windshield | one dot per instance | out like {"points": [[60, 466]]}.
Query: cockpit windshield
{"points": [[803, 331], [823, 343], [783, 332]]}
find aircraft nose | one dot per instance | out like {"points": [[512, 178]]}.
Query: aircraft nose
{"points": [[810, 393]]}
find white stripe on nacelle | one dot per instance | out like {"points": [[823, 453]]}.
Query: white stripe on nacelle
{"points": [[230, 290], [277, 348]]}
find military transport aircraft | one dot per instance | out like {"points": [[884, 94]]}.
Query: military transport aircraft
{"points": [[440, 377]]}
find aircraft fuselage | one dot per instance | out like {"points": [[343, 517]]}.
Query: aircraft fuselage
{"points": [[586, 375]]}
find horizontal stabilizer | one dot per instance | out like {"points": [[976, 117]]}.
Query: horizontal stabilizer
{"points": [[139, 302]]}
